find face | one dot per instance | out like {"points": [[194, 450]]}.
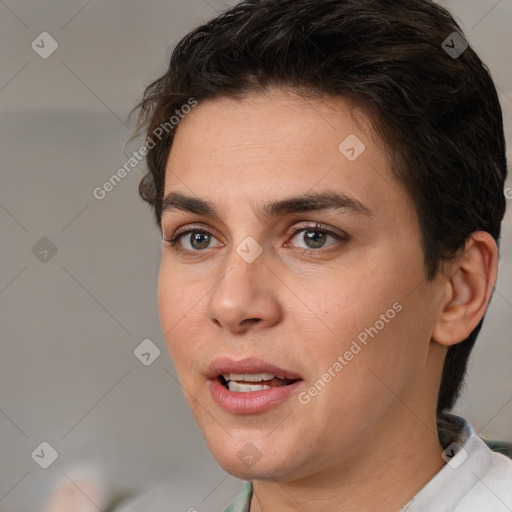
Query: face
{"points": [[329, 293]]}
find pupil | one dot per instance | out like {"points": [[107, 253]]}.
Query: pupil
{"points": [[318, 241]]}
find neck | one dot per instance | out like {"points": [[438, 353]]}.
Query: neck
{"points": [[384, 476]]}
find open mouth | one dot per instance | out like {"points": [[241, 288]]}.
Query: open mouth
{"points": [[246, 383]]}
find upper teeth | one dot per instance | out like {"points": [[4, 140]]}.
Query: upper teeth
{"points": [[250, 377]]}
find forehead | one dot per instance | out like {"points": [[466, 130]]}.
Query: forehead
{"points": [[276, 144]]}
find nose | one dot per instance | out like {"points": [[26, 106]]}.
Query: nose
{"points": [[245, 297]]}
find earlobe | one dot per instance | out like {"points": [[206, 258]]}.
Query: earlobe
{"points": [[469, 285]]}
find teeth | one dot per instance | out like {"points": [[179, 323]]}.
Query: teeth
{"points": [[245, 388], [250, 377]]}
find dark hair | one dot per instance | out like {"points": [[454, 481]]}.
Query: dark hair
{"points": [[438, 113]]}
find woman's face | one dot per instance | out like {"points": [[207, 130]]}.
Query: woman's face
{"points": [[342, 309]]}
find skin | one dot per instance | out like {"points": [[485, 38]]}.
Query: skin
{"points": [[368, 440]]}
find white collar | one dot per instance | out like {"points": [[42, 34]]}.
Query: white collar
{"points": [[471, 461]]}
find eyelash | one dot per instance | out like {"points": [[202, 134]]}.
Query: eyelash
{"points": [[173, 242]]}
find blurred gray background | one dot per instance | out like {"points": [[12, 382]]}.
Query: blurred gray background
{"points": [[78, 274]]}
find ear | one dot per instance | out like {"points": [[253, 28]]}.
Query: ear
{"points": [[470, 280]]}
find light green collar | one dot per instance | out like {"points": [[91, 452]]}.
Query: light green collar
{"points": [[243, 499]]}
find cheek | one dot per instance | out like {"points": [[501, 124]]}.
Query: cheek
{"points": [[365, 316], [179, 303], [168, 304], [348, 303]]}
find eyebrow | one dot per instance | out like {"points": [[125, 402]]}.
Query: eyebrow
{"points": [[327, 200]]}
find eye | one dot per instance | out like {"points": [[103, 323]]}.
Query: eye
{"points": [[315, 237], [197, 240]]}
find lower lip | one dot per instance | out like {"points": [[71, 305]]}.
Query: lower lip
{"points": [[252, 401]]}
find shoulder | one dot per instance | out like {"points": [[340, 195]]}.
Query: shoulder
{"points": [[474, 479], [493, 490]]}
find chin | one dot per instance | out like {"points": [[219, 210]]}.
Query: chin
{"points": [[252, 463], [259, 471]]}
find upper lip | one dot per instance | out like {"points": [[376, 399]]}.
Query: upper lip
{"points": [[247, 365]]}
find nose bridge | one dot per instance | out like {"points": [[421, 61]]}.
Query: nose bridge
{"points": [[246, 262], [243, 279], [244, 291]]}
